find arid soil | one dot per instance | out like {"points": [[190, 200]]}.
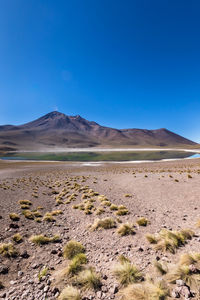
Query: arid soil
{"points": [[166, 193]]}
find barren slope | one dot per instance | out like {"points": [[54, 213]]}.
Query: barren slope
{"points": [[56, 130]]}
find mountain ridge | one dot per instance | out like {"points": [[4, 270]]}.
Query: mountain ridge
{"points": [[57, 129]]}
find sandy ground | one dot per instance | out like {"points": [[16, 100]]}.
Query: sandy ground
{"points": [[161, 192]]}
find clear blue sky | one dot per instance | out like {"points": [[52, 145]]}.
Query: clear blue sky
{"points": [[121, 63]]}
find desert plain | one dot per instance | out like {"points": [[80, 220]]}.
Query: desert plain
{"points": [[138, 225]]}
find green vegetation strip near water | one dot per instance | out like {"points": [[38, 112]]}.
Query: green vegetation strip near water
{"points": [[97, 156]]}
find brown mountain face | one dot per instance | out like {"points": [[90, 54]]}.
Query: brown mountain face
{"points": [[57, 130]]}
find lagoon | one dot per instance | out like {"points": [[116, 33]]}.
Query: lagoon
{"points": [[103, 156]]}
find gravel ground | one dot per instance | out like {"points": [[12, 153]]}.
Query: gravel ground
{"points": [[166, 193]]}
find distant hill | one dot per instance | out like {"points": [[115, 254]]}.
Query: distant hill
{"points": [[57, 130]]}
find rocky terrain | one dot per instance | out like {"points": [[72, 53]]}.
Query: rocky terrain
{"points": [[56, 130], [114, 212]]}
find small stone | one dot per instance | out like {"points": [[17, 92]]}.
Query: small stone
{"points": [[31, 281], [46, 288], [175, 294], [165, 259], [140, 249], [104, 289], [114, 289], [54, 251], [3, 269], [11, 291], [180, 282], [185, 292], [157, 258], [41, 287], [35, 266], [15, 226], [36, 280], [20, 273], [99, 294], [60, 253], [55, 291], [193, 269], [24, 254], [49, 282], [3, 295]]}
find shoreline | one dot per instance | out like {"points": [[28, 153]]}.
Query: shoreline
{"points": [[68, 150], [96, 163]]}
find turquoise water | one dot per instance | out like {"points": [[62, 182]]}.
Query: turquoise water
{"points": [[197, 155]]}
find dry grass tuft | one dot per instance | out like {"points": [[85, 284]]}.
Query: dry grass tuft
{"points": [[167, 240], [99, 211], [76, 206], [70, 293], [142, 221], [187, 233], [17, 238], [14, 217], [72, 248], [106, 223], [25, 202], [189, 258], [48, 217], [89, 279], [113, 207], [184, 273], [40, 207], [59, 201], [127, 273], [76, 264], [123, 259], [126, 229], [102, 198], [42, 239], [24, 206], [146, 291], [134, 292], [161, 267], [122, 211], [198, 224], [106, 203], [42, 273], [38, 220], [187, 269], [37, 214], [8, 250], [151, 238], [56, 212], [119, 220], [28, 214]]}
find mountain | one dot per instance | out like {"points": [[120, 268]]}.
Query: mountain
{"points": [[57, 130]]}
